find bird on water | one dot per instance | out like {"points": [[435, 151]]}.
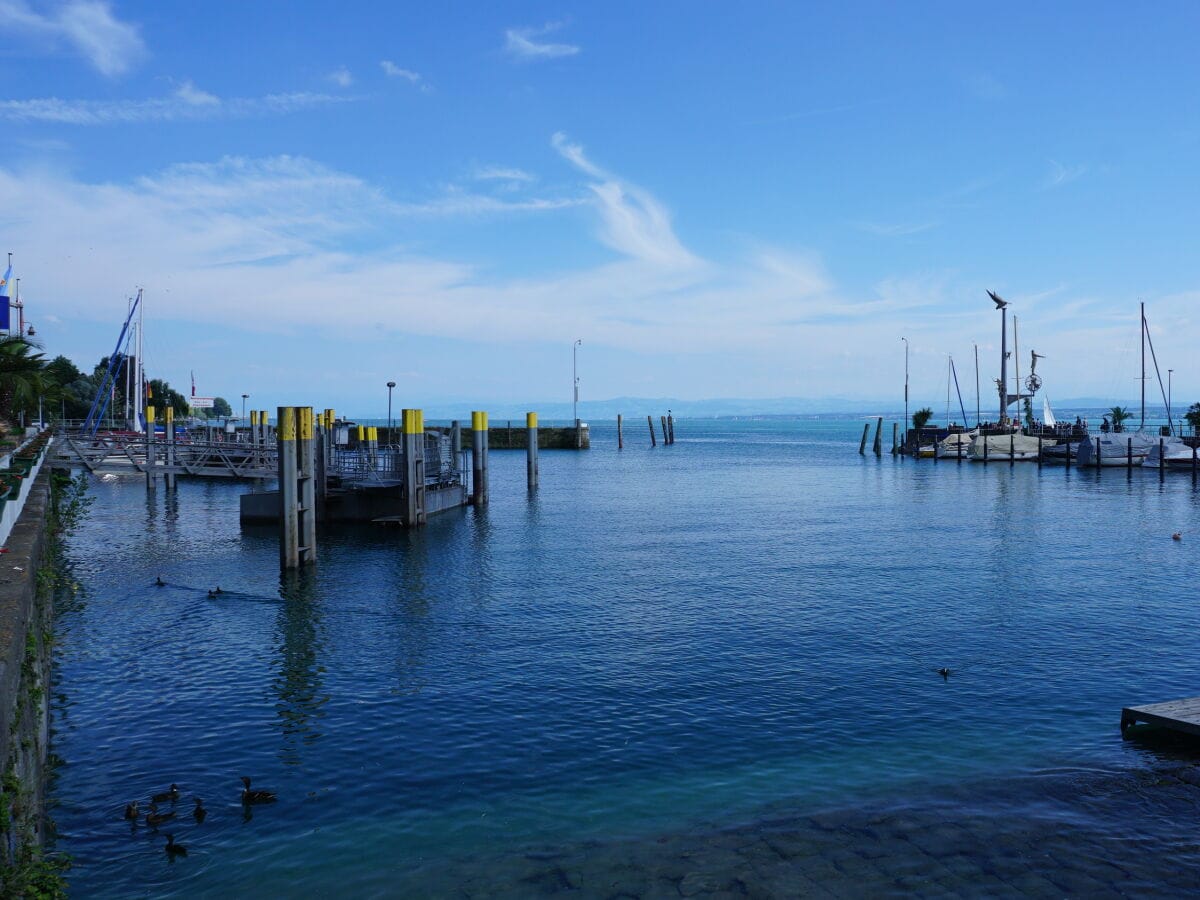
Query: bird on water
{"points": [[154, 817], [944, 672], [1177, 536], [158, 582], [249, 796], [173, 849], [199, 812], [168, 796], [131, 810]]}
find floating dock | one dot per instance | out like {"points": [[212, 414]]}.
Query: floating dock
{"points": [[1176, 715]]}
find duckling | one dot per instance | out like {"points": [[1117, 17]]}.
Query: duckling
{"points": [[155, 818], [131, 810], [169, 796], [944, 672], [173, 849], [249, 796], [199, 812], [158, 582]]}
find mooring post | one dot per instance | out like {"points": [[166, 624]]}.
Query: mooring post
{"points": [[895, 438], [531, 451], [322, 438], [456, 440], [1097, 454], [1039, 449], [264, 427], [862, 445], [1129, 453], [878, 445], [1012, 448], [650, 422], [1162, 462], [254, 428], [985, 447], [330, 441], [671, 425], [150, 449], [169, 474], [413, 423], [620, 434], [289, 532], [306, 464], [479, 448], [1069, 452], [663, 423], [1194, 457], [578, 434]]}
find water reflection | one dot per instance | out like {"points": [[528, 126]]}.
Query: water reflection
{"points": [[298, 685]]}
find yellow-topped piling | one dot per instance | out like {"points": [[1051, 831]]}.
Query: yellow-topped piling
{"points": [[286, 428], [305, 422], [531, 420], [479, 421], [150, 415]]}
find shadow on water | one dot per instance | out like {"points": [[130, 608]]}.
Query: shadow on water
{"points": [[297, 682]]}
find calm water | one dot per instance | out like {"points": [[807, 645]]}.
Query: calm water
{"points": [[661, 646]]}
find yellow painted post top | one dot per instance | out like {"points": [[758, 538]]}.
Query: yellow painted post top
{"points": [[262, 417], [150, 414], [414, 421], [254, 417], [531, 420], [373, 434], [479, 421], [329, 417], [361, 432], [305, 416], [286, 430], [170, 411]]}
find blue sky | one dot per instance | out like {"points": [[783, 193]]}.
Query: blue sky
{"points": [[719, 201]]}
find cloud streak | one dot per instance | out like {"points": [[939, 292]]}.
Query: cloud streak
{"points": [[523, 43], [88, 27], [391, 70], [186, 103], [1060, 175]]}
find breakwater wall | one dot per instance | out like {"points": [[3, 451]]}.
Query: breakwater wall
{"points": [[515, 437], [26, 609]]}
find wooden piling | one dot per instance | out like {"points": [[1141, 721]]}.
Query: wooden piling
{"points": [[666, 440], [650, 422], [620, 434], [862, 445], [895, 434], [306, 487], [531, 452], [1039, 451], [671, 426], [1129, 453], [289, 532], [151, 451], [169, 474], [1162, 462], [1069, 453], [1012, 448], [878, 447], [479, 448], [1097, 454]]}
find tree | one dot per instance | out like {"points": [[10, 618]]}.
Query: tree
{"points": [[1193, 416], [1118, 415], [221, 407], [23, 377], [921, 418], [163, 395]]}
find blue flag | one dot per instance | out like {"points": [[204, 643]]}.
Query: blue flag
{"points": [[5, 320]]}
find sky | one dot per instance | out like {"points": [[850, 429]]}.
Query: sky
{"points": [[716, 200]]}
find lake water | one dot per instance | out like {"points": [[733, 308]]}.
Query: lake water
{"points": [[704, 667]]}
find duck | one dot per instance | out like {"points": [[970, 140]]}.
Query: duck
{"points": [[199, 812], [944, 672], [217, 590], [249, 796], [211, 594], [154, 817], [173, 849], [158, 582], [169, 796], [131, 810]]}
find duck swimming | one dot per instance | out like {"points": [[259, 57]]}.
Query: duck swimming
{"points": [[158, 582], [199, 812], [944, 672], [154, 817], [131, 810], [249, 796], [169, 796], [174, 849]]}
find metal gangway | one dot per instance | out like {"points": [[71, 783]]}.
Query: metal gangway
{"points": [[131, 453]]}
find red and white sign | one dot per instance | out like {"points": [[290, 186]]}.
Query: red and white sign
{"points": [[202, 403]]}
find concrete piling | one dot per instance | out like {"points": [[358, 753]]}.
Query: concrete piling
{"points": [[169, 474], [479, 449], [456, 440], [289, 525], [620, 433], [531, 451], [653, 440], [413, 424], [254, 428]]}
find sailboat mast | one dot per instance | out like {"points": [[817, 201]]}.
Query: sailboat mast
{"points": [[139, 406], [1017, 367], [1003, 365], [949, 363], [977, 386], [1143, 336]]}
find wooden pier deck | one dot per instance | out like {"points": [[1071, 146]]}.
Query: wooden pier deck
{"points": [[1176, 715]]}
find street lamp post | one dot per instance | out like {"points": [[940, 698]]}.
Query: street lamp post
{"points": [[391, 438], [575, 378], [245, 397], [905, 391]]}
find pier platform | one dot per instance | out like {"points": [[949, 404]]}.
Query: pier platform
{"points": [[1176, 715]]}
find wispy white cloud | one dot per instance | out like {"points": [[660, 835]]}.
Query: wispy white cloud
{"points": [[1061, 174], [522, 43], [341, 77], [186, 103], [896, 229], [89, 27], [502, 173], [392, 70]]}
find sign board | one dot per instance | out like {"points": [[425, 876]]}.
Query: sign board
{"points": [[202, 402]]}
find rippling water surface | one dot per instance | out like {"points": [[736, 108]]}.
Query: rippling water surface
{"points": [[659, 646]]}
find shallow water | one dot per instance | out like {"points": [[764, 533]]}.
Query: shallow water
{"points": [[659, 648]]}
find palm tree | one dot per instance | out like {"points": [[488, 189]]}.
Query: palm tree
{"points": [[1118, 415], [22, 375], [921, 418]]}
